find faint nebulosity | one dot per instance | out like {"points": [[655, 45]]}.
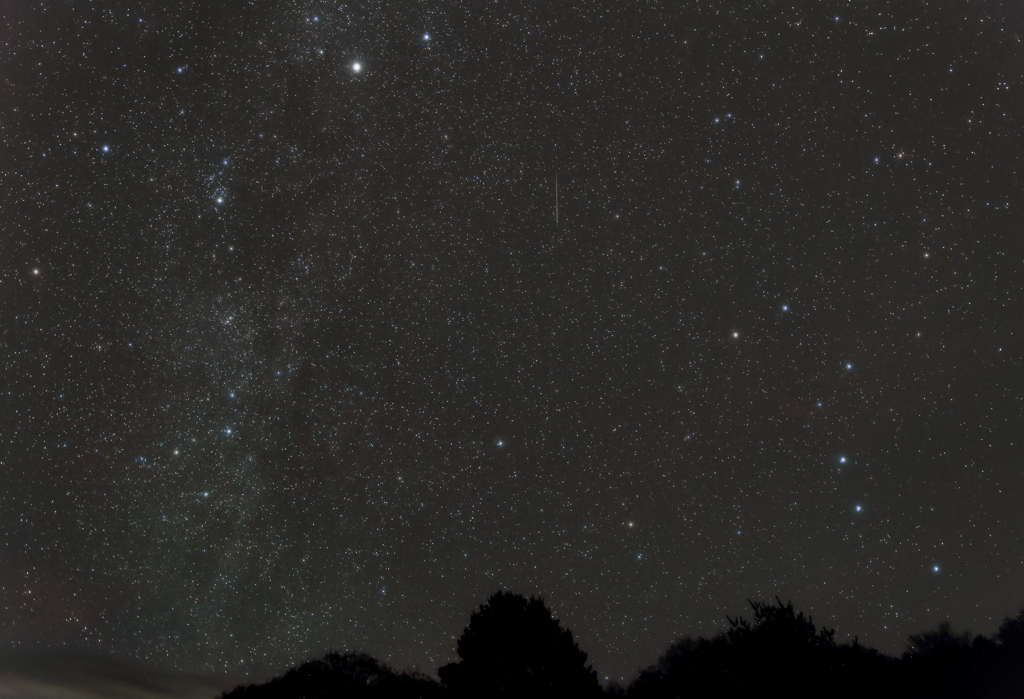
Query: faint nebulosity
{"points": [[295, 355]]}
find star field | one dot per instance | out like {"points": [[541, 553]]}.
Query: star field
{"points": [[296, 357]]}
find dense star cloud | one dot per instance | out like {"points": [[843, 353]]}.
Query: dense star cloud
{"points": [[297, 357]]}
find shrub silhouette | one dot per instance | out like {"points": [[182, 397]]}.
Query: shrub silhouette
{"points": [[778, 626], [689, 668], [780, 653], [938, 644], [1011, 634], [782, 648], [943, 663], [351, 675], [514, 647], [1009, 673]]}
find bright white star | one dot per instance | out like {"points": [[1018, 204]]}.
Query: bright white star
{"points": [[356, 67]]}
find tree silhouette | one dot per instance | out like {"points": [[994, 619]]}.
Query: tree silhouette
{"points": [[1011, 634], [514, 647]]}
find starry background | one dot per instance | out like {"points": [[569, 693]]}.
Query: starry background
{"points": [[296, 356]]}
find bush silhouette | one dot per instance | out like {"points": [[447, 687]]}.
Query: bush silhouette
{"points": [[779, 627], [782, 648], [351, 675], [1009, 674], [1011, 634], [780, 652], [943, 663], [688, 668], [514, 647], [940, 643]]}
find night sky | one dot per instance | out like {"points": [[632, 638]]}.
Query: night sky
{"points": [[296, 356]]}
